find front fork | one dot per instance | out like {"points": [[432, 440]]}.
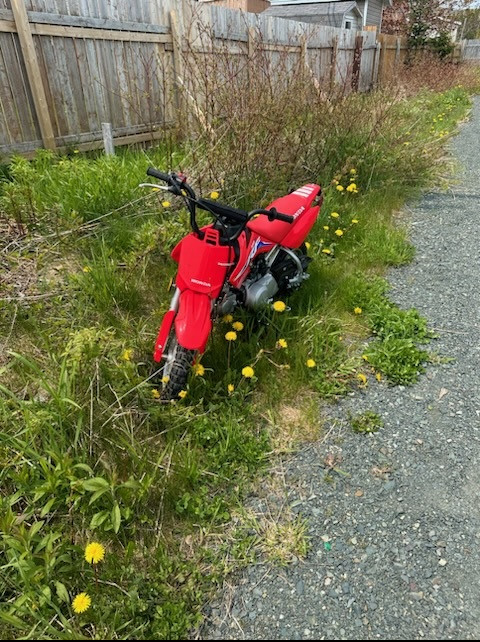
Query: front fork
{"points": [[166, 327]]}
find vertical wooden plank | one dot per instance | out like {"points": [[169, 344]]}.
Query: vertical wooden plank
{"points": [[376, 64], [33, 72], [357, 60], [108, 139], [178, 30], [333, 61]]}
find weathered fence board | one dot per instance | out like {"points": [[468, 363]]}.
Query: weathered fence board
{"points": [[471, 50], [125, 63]]}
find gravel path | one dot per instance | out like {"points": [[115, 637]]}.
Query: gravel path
{"points": [[403, 528]]}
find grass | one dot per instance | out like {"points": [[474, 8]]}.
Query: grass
{"points": [[88, 453]]}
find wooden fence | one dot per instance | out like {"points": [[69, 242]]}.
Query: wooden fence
{"points": [[67, 66], [471, 50]]}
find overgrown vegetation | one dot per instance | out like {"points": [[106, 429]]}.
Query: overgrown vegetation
{"points": [[366, 422], [87, 451]]}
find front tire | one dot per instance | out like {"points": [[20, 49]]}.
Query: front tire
{"points": [[177, 367]]}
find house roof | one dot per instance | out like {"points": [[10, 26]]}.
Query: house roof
{"points": [[309, 9]]}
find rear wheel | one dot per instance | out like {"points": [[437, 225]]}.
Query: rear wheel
{"points": [[178, 362]]}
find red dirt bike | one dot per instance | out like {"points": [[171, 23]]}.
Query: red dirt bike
{"points": [[242, 259]]}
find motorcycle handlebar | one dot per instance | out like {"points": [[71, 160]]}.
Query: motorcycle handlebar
{"points": [[151, 171]]}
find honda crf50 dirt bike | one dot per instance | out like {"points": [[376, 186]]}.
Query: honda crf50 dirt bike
{"points": [[242, 259]]}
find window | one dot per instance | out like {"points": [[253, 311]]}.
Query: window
{"points": [[348, 24]]}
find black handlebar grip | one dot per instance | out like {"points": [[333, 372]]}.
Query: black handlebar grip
{"points": [[284, 217], [151, 171]]}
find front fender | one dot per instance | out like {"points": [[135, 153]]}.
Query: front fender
{"points": [[193, 322]]}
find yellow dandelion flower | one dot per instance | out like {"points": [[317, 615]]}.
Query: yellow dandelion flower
{"points": [[166, 204], [365, 357], [279, 306], [334, 181], [76, 151], [308, 245], [281, 343], [248, 372], [354, 221], [353, 170], [378, 376], [362, 378], [81, 603], [155, 394], [127, 354], [214, 195], [227, 318], [230, 388], [352, 187], [406, 142], [357, 310], [340, 188], [334, 214], [339, 232], [86, 269], [155, 189], [182, 394], [326, 227], [165, 379], [311, 363], [326, 250], [199, 370], [238, 326], [231, 336], [94, 552]]}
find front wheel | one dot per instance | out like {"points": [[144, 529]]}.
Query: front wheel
{"points": [[178, 362]]}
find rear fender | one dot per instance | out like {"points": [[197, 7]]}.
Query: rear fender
{"points": [[193, 322]]}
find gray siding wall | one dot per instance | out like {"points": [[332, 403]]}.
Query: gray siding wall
{"points": [[374, 13]]}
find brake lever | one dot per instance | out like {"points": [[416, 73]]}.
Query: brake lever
{"points": [[155, 186]]}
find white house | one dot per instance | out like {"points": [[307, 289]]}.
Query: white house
{"points": [[347, 14]]}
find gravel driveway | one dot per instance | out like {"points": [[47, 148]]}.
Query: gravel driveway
{"points": [[395, 543]]}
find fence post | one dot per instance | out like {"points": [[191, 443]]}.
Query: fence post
{"points": [[33, 72], [177, 38], [107, 134], [333, 62], [357, 60], [304, 55], [397, 52], [251, 52], [376, 64]]}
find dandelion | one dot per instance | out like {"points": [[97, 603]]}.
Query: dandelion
{"points": [[230, 388], [340, 188], [406, 142], [155, 189], [354, 221], [231, 336], [362, 378], [339, 232], [238, 326], [307, 245], [378, 376], [166, 204], [199, 370], [76, 151], [81, 603], [86, 269], [334, 214], [281, 343], [357, 310], [279, 306], [325, 227], [182, 394], [334, 181], [326, 250], [94, 552], [353, 170], [165, 379], [214, 195], [227, 318], [155, 394], [311, 363], [352, 187], [365, 357], [127, 354], [248, 372]]}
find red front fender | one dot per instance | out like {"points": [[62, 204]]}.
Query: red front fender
{"points": [[193, 322]]}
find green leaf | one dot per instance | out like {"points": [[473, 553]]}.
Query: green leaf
{"points": [[96, 495], [12, 620], [35, 528], [116, 518], [46, 509], [62, 592], [98, 519], [97, 483]]}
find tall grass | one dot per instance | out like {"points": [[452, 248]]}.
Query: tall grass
{"points": [[87, 452]]}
